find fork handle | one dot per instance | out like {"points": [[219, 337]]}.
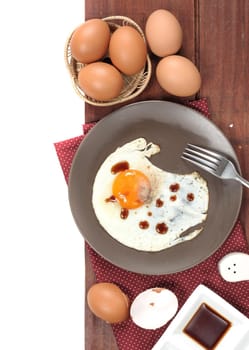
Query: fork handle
{"points": [[242, 181]]}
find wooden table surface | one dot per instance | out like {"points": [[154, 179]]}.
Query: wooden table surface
{"points": [[216, 39]]}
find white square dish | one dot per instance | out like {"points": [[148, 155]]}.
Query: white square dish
{"points": [[236, 337]]}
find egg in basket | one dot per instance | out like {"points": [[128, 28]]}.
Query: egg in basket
{"points": [[108, 60]]}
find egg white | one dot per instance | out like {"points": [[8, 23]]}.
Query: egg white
{"points": [[179, 215]]}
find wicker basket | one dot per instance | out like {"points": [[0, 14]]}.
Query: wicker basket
{"points": [[133, 84]]}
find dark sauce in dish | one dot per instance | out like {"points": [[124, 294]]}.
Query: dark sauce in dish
{"points": [[207, 327]]}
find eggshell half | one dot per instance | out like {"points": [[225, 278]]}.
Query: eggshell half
{"points": [[153, 308]]}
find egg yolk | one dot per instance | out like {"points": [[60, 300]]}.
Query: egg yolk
{"points": [[131, 188]]}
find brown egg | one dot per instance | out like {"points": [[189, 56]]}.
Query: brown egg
{"points": [[90, 41], [108, 302], [100, 81], [178, 76], [128, 50], [163, 33]]}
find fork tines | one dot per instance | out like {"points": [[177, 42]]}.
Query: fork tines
{"points": [[207, 159]]}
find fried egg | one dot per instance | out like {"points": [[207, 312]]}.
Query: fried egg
{"points": [[145, 207]]}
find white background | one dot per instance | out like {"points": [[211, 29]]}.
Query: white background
{"points": [[41, 250]]}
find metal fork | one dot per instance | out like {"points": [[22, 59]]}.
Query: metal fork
{"points": [[213, 163]]}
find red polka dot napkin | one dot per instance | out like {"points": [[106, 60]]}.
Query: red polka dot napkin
{"points": [[128, 335]]}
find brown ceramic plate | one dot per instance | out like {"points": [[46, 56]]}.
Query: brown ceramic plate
{"points": [[171, 126]]}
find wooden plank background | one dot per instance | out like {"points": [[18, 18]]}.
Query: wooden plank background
{"points": [[216, 39]]}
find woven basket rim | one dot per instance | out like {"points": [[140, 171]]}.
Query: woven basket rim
{"points": [[137, 86]]}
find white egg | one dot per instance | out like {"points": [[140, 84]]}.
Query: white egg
{"points": [[153, 308], [175, 203]]}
